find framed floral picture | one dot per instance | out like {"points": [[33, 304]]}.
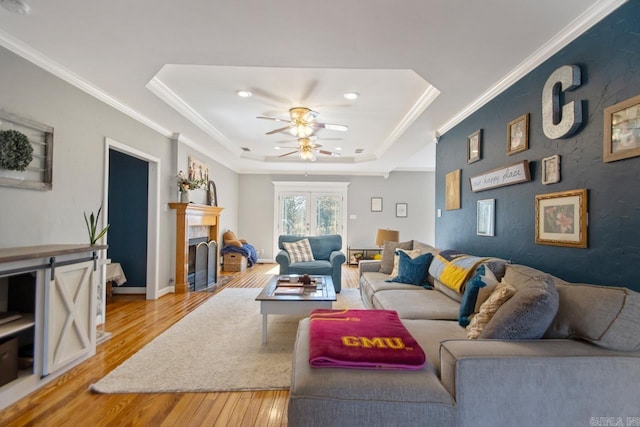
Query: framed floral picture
{"points": [[518, 135], [474, 142], [622, 130], [561, 218]]}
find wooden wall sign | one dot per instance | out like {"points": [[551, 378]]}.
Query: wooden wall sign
{"points": [[501, 177]]}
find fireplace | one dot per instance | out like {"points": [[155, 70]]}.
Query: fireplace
{"points": [[202, 273], [188, 216]]}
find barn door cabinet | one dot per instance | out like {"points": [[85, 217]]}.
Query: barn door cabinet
{"points": [[47, 314]]}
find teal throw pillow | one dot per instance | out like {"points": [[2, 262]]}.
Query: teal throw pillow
{"points": [[412, 270], [470, 303]]}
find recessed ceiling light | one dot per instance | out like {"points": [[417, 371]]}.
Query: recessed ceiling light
{"points": [[351, 95], [15, 6], [244, 94], [276, 148], [338, 148]]}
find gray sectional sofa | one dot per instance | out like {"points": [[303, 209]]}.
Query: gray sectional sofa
{"points": [[584, 371]]}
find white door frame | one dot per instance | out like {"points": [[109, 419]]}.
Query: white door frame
{"points": [[308, 187], [153, 209]]}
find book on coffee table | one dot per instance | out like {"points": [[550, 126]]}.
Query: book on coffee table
{"points": [[288, 290]]}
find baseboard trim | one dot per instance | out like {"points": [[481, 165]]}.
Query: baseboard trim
{"points": [[129, 290]]}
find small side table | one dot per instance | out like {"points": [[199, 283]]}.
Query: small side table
{"points": [[367, 253]]}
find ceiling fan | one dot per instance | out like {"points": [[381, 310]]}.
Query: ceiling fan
{"points": [[302, 123], [308, 149]]}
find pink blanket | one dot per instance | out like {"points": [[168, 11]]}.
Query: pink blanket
{"points": [[364, 339]]}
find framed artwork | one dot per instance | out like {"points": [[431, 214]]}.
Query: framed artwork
{"points": [[622, 130], [561, 218], [551, 169], [401, 210], [474, 142], [518, 134], [376, 204], [198, 171], [452, 190], [485, 217], [500, 177]]}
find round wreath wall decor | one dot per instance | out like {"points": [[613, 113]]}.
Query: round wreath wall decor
{"points": [[16, 151]]}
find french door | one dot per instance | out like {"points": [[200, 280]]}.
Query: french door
{"points": [[310, 209], [310, 214]]}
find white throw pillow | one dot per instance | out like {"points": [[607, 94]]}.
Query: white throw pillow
{"points": [[299, 251]]}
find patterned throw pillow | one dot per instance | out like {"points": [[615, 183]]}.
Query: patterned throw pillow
{"points": [[499, 296], [299, 251]]}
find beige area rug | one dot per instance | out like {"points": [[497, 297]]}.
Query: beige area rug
{"points": [[217, 347]]}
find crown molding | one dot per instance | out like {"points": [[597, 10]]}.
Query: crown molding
{"points": [[427, 97], [46, 63], [577, 27]]}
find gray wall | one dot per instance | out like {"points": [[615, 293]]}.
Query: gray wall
{"points": [[417, 189], [608, 55], [81, 123]]}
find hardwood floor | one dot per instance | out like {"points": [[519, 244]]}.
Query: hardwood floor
{"points": [[134, 322]]}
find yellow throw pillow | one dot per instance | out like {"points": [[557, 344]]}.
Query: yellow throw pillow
{"points": [[499, 296], [412, 254]]}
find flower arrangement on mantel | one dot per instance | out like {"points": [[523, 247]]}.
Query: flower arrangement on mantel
{"points": [[185, 184]]}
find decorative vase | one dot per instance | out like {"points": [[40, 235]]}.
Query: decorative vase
{"points": [[184, 197]]}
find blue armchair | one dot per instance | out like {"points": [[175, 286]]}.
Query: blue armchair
{"points": [[327, 255]]}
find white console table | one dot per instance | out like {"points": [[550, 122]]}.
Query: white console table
{"points": [[53, 288]]}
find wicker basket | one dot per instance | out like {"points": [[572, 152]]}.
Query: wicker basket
{"points": [[234, 262]]}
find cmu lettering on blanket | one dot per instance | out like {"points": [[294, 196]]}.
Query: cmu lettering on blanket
{"points": [[508, 175]]}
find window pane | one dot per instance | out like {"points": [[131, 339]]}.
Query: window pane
{"points": [[327, 215], [294, 215]]}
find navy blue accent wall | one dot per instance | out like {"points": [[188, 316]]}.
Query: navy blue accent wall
{"points": [[128, 206], [609, 57]]}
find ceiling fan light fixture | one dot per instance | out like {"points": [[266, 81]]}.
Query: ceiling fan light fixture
{"points": [[15, 6], [244, 93], [351, 95]]}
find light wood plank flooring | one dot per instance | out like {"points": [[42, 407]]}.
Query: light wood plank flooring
{"points": [[134, 322]]}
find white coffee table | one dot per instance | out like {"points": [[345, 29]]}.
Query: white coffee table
{"points": [[321, 296]]}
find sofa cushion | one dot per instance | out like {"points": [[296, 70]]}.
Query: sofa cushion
{"points": [[299, 251], [388, 252], [441, 287], [430, 333], [412, 270], [372, 282], [526, 315], [477, 291], [417, 303], [519, 276], [499, 296], [424, 248], [396, 257], [603, 315]]}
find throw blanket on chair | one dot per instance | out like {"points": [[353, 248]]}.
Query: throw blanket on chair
{"points": [[246, 250], [453, 269], [362, 339]]}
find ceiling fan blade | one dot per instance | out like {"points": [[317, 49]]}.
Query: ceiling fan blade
{"points": [[288, 154], [328, 153], [330, 126], [278, 130], [272, 118]]}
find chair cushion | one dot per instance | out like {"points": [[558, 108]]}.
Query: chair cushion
{"points": [[299, 251]]}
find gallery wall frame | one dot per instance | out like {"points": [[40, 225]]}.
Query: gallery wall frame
{"points": [[518, 134], [622, 130], [198, 170], [474, 146], [376, 204], [561, 218], [401, 210], [551, 169], [452, 190], [485, 217], [501, 177]]}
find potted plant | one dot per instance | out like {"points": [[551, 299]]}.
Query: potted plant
{"points": [[92, 227], [16, 151]]}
